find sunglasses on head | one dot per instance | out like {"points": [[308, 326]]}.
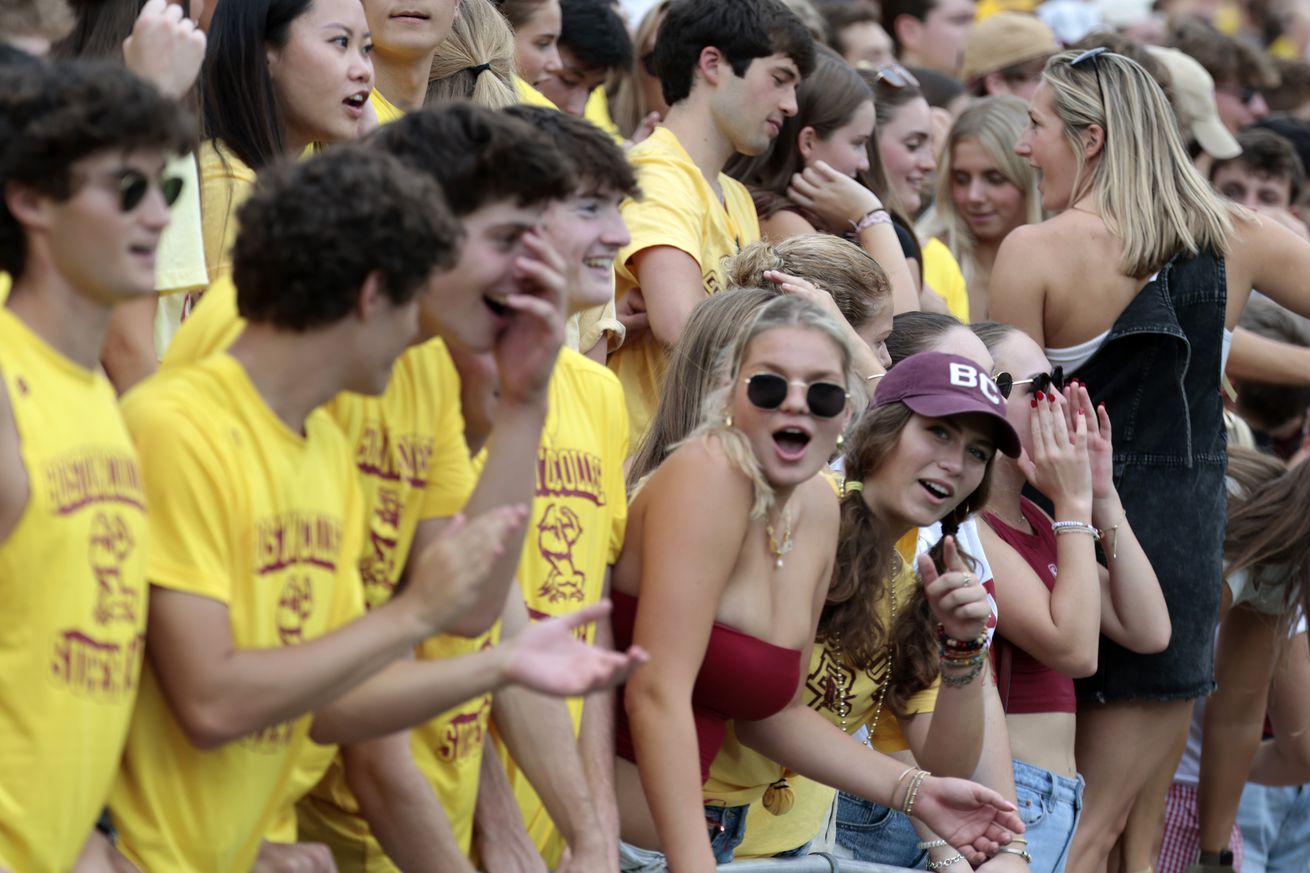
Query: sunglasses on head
{"points": [[1090, 57], [769, 390], [896, 76], [133, 185], [1040, 382]]}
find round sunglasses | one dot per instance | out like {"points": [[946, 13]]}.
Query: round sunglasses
{"points": [[133, 185], [769, 390], [1040, 382]]}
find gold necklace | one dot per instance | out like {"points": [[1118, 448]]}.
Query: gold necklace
{"points": [[844, 706], [780, 548]]}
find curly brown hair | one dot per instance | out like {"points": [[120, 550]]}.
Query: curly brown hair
{"points": [[314, 230], [862, 572], [54, 115]]}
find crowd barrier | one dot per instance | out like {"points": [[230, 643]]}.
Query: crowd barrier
{"points": [[816, 863]]}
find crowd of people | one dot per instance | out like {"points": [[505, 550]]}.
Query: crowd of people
{"points": [[526, 435]]}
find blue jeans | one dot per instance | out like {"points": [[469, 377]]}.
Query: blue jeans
{"points": [[872, 833], [727, 828], [1275, 826], [1049, 805]]}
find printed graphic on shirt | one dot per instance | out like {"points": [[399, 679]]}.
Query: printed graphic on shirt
{"points": [[88, 662], [465, 732], [565, 473], [396, 463], [831, 683], [557, 533]]}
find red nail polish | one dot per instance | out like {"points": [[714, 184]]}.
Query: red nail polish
{"points": [[1051, 397], [1041, 396], [1034, 403]]}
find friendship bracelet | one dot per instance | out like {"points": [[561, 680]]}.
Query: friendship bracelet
{"points": [[912, 794], [952, 681], [1020, 852], [937, 865], [871, 218], [1061, 527], [933, 844], [976, 644], [908, 788], [906, 772]]}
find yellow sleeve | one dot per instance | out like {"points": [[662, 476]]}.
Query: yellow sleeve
{"points": [[451, 479], [667, 215], [191, 499], [211, 327], [597, 111], [181, 253], [592, 325], [941, 273], [531, 96], [348, 596], [225, 183], [615, 485], [923, 701]]}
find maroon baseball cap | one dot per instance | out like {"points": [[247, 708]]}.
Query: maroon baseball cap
{"points": [[938, 385]]}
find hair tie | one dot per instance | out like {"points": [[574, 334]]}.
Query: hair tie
{"points": [[852, 486], [478, 70]]}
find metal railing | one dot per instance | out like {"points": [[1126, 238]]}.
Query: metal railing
{"points": [[818, 862]]}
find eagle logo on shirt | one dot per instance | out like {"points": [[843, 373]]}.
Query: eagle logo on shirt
{"points": [[557, 533]]}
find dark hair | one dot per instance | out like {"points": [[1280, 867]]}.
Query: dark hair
{"points": [[592, 156], [742, 30], [1227, 59], [313, 231], [100, 29], [55, 114], [862, 570], [844, 14], [913, 332], [825, 100], [478, 155], [1293, 89], [48, 19], [894, 9], [1265, 153], [1294, 130], [517, 12], [940, 89], [1267, 407], [596, 35], [239, 102]]}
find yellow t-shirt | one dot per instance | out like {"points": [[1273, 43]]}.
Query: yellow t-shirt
{"points": [[225, 183], [269, 523], [72, 631], [181, 256], [584, 329], [5, 284], [941, 273], [387, 111], [831, 685], [597, 111], [530, 95], [579, 512], [211, 327], [678, 209]]}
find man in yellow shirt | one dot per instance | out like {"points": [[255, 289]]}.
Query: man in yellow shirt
{"points": [[257, 639], [405, 38], [578, 515], [729, 71], [85, 202], [593, 42]]}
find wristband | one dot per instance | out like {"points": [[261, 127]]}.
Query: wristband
{"points": [[874, 216], [1081, 527]]}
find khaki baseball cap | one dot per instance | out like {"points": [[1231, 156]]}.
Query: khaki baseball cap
{"points": [[1003, 40], [1193, 92]]}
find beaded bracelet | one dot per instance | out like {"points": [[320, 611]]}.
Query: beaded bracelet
{"points": [[937, 865], [932, 844], [976, 644], [1022, 853], [1082, 527], [912, 791]]}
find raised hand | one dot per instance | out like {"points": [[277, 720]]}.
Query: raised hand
{"points": [[1100, 448], [527, 348], [165, 48], [547, 657], [834, 197], [806, 289], [1058, 466], [451, 570], [975, 820], [957, 599]]}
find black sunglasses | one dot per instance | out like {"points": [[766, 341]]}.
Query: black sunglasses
{"points": [[134, 185], [1040, 382], [769, 390], [1090, 56]]}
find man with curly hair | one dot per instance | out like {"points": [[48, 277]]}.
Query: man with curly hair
{"points": [[82, 156], [258, 637]]}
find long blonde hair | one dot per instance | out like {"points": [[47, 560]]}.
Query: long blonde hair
{"points": [[626, 99], [1147, 191], [994, 123], [480, 36], [783, 311]]}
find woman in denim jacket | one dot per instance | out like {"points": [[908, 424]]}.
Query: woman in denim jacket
{"points": [[1132, 289]]}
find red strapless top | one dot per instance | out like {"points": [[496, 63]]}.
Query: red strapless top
{"points": [[741, 677], [1033, 686]]}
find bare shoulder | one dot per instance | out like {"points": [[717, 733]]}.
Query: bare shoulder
{"points": [[700, 473], [820, 498]]}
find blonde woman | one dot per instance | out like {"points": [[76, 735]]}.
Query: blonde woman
{"points": [[476, 62], [984, 191], [1133, 289], [636, 97]]}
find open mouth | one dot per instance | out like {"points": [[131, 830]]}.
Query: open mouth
{"points": [[497, 305], [357, 100], [791, 442], [599, 263], [936, 490]]}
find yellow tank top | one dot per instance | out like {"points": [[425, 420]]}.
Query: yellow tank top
{"points": [[73, 623]]}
